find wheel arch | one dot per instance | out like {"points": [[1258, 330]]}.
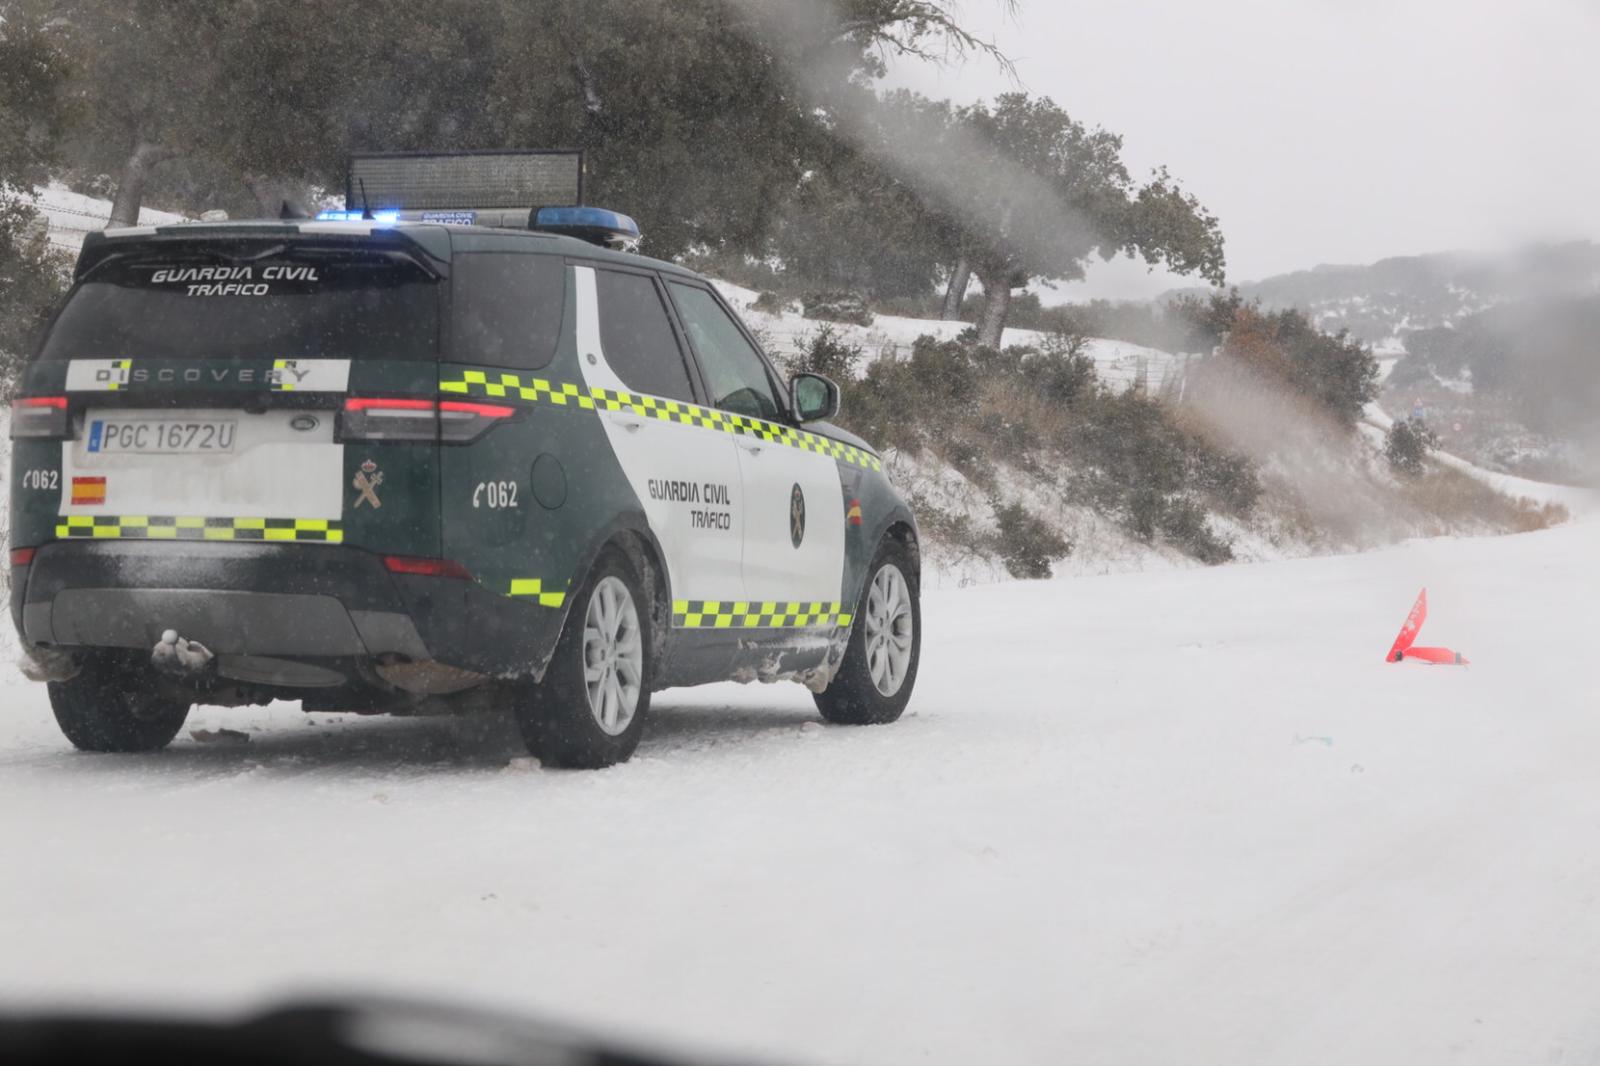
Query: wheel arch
{"points": [[900, 526], [631, 537], [904, 533]]}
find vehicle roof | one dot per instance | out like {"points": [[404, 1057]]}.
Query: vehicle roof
{"points": [[425, 234]]}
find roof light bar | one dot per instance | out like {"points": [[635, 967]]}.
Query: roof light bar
{"points": [[612, 229], [333, 215]]}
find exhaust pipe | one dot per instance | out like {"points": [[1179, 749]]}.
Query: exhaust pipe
{"points": [[179, 657]]}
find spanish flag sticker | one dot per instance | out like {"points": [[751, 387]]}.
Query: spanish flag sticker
{"points": [[88, 491], [853, 515]]}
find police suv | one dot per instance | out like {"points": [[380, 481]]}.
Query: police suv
{"points": [[440, 454]]}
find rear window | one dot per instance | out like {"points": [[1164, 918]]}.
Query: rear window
{"points": [[507, 308], [305, 303]]}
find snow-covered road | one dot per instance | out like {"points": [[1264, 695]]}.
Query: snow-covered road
{"points": [[1177, 817]]}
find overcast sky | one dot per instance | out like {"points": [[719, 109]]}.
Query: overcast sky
{"points": [[1324, 131]]}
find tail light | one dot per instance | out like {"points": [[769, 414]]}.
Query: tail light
{"points": [[410, 564], [396, 419], [460, 421], [405, 419], [40, 417], [22, 556]]}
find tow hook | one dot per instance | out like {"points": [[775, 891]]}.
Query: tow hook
{"points": [[179, 657]]}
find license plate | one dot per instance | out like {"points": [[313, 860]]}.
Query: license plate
{"points": [[152, 436]]}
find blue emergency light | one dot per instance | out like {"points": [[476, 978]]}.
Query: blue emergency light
{"points": [[332, 215], [501, 188], [609, 229]]}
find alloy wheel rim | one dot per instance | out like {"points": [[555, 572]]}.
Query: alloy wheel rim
{"points": [[889, 630], [613, 656]]}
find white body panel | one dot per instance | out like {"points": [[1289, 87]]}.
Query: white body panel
{"points": [[774, 567], [686, 477], [286, 375], [274, 470]]}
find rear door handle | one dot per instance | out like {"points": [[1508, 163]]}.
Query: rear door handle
{"points": [[630, 423], [751, 447]]}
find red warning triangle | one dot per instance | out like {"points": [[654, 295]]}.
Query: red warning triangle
{"points": [[1403, 648], [1409, 631]]}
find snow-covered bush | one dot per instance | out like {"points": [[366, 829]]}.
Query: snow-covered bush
{"points": [[1026, 543], [838, 307], [1040, 411], [1408, 443]]}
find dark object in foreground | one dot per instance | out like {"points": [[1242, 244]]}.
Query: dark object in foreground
{"points": [[360, 1032]]}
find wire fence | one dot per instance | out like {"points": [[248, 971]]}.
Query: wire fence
{"points": [[66, 234]]}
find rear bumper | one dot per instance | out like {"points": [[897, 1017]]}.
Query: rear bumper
{"points": [[290, 601]]}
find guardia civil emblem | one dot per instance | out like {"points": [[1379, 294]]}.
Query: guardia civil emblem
{"points": [[368, 478], [797, 516]]}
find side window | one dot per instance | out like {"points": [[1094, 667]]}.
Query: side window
{"points": [[506, 308], [637, 336], [733, 368]]}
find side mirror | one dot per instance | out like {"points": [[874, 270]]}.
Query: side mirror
{"points": [[812, 398]]}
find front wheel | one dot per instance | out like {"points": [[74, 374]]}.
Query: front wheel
{"points": [[589, 710], [107, 709], [879, 668]]}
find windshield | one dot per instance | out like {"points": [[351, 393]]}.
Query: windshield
{"points": [[288, 304]]}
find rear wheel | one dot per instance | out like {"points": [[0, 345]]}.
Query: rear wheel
{"points": [[879, 669], [589, 710], [106, 708]]}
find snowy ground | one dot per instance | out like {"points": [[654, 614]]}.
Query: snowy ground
{"points": [[1178, 817]]}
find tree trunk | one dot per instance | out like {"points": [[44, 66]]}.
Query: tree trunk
{"points": [[996, 305], [960, 278], [130, 190]]}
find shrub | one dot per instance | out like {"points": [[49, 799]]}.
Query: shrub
{"points": [[1407, 445], [1334, 370], [1183, 523], [32, 279], [1040, 409], [837, 307], [769, 302], [1060, 371], [1229, 480], [1026, 544], [1179, 520], [830, 355]]}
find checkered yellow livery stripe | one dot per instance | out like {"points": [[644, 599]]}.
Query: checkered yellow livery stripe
{"points": [[724, 614], [124, 365], [279, 384], [503, 386], [166, 527], [533, 588]]}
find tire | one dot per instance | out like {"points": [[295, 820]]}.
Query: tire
{"points": [[879, 668], [573, 719], [105, 708]]}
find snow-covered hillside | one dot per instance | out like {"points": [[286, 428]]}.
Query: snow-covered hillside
{"points": [[1118, 363], [1180, 817], [1099, 544]]}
